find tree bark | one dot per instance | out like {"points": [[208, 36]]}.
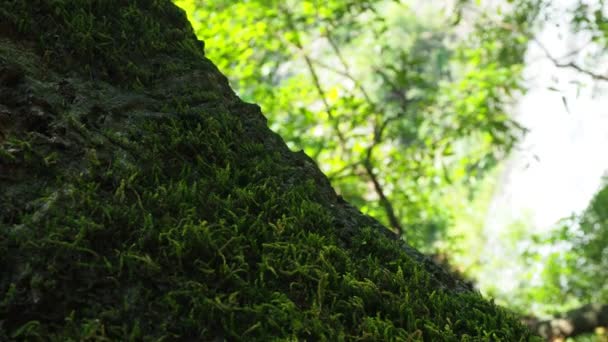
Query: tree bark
{"points": [[583, 320]]}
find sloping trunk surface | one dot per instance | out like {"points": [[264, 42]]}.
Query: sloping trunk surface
{"points": [[140, 199]]}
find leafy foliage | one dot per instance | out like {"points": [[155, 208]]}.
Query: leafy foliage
{"points": [[566, 267], [574, 259], [396, 111]]}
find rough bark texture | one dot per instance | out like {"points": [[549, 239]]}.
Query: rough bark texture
{"points": [[140, 199]]}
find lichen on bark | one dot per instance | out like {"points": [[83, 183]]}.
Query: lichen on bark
{"points": [[143, 200]]}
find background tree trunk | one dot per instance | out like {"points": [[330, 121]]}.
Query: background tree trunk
{"points": [[583, 320]]}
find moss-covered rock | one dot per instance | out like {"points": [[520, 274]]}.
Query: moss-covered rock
{"points": [[140, 199]]}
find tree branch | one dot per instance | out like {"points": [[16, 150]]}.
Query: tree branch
{"points": [[315, 77], [378, 128], [573, 323], [384, 201], [570, 65]]}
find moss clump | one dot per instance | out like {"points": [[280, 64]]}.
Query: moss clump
{"points": [[149, 203], [132, 42]]}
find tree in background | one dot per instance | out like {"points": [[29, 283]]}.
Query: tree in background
{"points": [[387, 103], [566, 267], [407, 109]]}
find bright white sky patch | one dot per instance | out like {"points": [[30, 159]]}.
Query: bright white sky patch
{"points": [[560, 163]]}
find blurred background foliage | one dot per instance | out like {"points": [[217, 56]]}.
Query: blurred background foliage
{"points": [[567, 266], [407, 107], [397, 104]]}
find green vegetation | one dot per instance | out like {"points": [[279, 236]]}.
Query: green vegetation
{"points": [[142, 200], [401, 112], [574, 259], [406, 108]]}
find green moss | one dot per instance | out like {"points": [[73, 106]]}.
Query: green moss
{"points": [[105, 39], [157, 206]]}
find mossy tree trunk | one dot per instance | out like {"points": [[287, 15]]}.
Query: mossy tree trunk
{"points": [[583, 320], [140, 199]]}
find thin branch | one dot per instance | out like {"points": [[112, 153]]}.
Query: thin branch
{"points": [[338, 173], [378, 129], [570, 65], [315, 77], [347, 71], [401, 93], [577, 50], [378, 133], [384, 201]]}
